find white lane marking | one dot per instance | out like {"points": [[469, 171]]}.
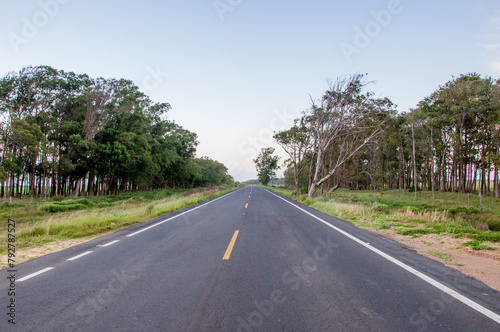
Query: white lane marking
{"points": [[437, 284], [78, 256], [35, 274], [110, 243], [180, 214]]}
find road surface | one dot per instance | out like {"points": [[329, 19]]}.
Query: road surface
{"points": [[247, 261]]}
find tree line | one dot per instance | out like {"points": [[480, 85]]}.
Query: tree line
{"points": [[69, 134], [348, 138]]}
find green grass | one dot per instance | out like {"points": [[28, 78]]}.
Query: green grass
{"points": [[446, 257], [42, 221], [458, 215]]}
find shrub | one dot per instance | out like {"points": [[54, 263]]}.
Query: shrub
{"points": [[319, 199], [413, 209], [379, 207], [412, 189], [149, 209], [463, 209], [351, 198], [308, 201], [103, 204], [52, 207], [494, 225], [83, 201], [491, 221]]}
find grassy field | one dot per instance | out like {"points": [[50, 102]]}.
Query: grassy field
{"points": [[42, 221], [459, 215]]}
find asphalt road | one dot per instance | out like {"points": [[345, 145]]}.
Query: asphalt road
{"points": [[247, 261]]}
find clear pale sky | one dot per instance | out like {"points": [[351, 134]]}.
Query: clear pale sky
{"points": [[234, 71]]}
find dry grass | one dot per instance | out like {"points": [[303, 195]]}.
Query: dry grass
{"points": [[100, 220], [434, 216]]}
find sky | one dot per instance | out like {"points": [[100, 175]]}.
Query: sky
{"points": [[235, 71]]}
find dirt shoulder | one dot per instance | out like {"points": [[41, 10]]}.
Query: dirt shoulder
{"points": [[484, 265], [25, 254]]}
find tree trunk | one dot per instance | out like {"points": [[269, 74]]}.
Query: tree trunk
{"points": [[319, 165], [497, 184], [414, 162]]}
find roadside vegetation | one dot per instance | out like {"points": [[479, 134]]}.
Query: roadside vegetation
{"points": [[455, 214], [42, 221], [67, 134]]}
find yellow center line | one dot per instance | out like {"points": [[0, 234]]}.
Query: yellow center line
{"points": [[246, 206], [231, 245]]}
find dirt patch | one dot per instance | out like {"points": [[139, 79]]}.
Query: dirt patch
{"points": [[484, 265], [25, 254]]}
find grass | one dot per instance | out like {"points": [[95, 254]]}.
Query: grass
{"points": [[445, 257], [458, 215], [42, 221]]}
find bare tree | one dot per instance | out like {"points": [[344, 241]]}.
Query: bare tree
{"points": [[344, 119]]}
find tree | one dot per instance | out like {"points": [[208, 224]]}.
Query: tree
{"points": [[68, 134], [266, 165], [296, 142], [345, 120]]}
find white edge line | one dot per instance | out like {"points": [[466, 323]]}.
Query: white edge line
{"points": [[78, 256], [437, 284], [110, 243], [35, 274], [180, 214]]}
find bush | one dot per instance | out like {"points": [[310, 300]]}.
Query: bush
{"points": [[463, 209], [414, 209], [103, 204], [412, 189], [149, 209], [57, 198], [351, 198], [381, 207], [53, 207], [494, 225], [308, 201], [491, 221]]}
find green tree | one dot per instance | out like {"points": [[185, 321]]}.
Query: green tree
{"points": [[266, 165], [296, 142]]}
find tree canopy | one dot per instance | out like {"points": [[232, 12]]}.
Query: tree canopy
{"points": [[65, 134], [266, 165], [361, 142]]}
